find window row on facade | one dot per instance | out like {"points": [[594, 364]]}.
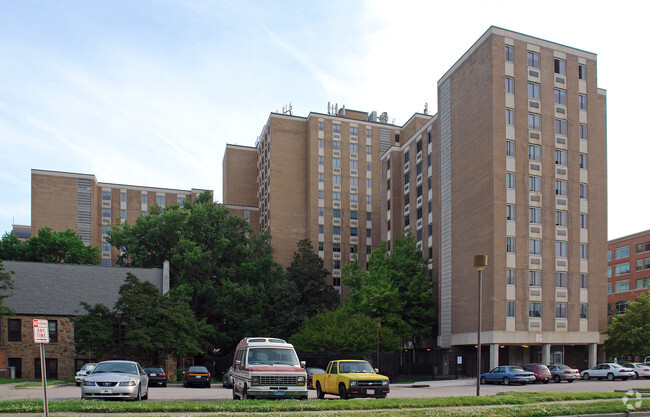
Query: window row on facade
{"points": [[534, 61]]}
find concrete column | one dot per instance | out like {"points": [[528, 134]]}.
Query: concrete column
{"points": [[546, 353], [593, 352], [494, 355]]}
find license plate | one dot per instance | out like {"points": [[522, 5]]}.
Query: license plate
{"points": [[278, 392], [152, 374], [106, 391], [370, 391]]}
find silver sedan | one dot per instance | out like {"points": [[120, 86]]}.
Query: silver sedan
{"points": [[116, 379]]}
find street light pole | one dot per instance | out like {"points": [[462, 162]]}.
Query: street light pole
{"points": [[480, 262]]}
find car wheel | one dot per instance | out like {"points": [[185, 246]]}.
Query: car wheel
{"points": [[319, 391], [610, 377], [556, 379], [184, 384], [207, 385], [77, 383], [343, 392], [483, 380], [585, 376], [636, 376], [506, 380], [545, 380], [138, 396], [234, 394], [146, 395], [164, 384], [244, 393]]}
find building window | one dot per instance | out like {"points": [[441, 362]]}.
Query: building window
{"points": [[560, 187], [336, 128], [560, 126], [180, 201], [583, 131], [510, 244], [419, 213], [584, 221], [560, 310], [353, 231], [621, 306], [336, 247], [321, 246], [534, 121], [321, 211], [510, 117], [510, 85], [53, 329], [336, 179], [336, 162], [535, 278], [368, 183], [583, 190], [106, 195], [123, 214], [106, 246], [51, 368], [145, 198], [368, 149], [510, 212], [14, 330], [321, 228], [560, 66], [336, 213], [354, 148], [583, 311], [533, 90], [354, 181], [582, 72], [510, 148], [561, 279], [582, 101], [321, 143], [419, 168], [561, 218], [560, 157], [106, 212], [535, 309], [123, 197], [534, 215], [533, 59], [336, 264], [354, 164], [561, 249], [407, 199], [560, 96], [510, 276], [535, 183], [321, 194], [354, 215], [369, 233], [336, 230], [321, 125], [106, 229], [143, 213], [354, 198], [369, 166], [510, 180], [534, 152], [407, 220], [510, 308], [584, 278], [642, 247], [583, 160], [622, 269], [368, 132], [321, 160], [354, 131], [321, 177], [621, 286], [584, 251], [642, 283], [368, 216], [336, 196], [336, 145], [509, 53], [160, 200], [535, 246]]}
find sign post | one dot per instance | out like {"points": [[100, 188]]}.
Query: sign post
{"points": [[42, 336]]}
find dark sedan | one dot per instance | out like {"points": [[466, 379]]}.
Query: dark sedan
{"points": [[507, 374], [310, 375], [197, 375], [157, 375]]}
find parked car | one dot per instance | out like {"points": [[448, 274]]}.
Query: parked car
{"points": [[563, 373], [507, 374], [197, 375], [85, 370], [227, 378], [542, 374], [640, 369], [310, 375], [157, 375], [611, 371], [116, 379]]}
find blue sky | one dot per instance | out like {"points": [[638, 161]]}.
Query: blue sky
{"points": [[149, 92]]}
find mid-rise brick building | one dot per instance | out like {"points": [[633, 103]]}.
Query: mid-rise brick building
{"points": [[628, 270]]}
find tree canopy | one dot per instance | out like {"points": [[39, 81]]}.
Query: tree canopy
{"points": [[628, 334], [5, 284], [49, 246]]}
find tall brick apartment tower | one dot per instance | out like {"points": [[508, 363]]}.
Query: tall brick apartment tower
{"points": [[315, 177], [512, 166], [64, 200]]}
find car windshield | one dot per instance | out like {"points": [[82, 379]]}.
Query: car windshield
{"points": [[542, 368], [355, 367], [197, 370], [516, 369], [153, 369], [563, 367], [117, 367], [88, 367], [272, 356]]}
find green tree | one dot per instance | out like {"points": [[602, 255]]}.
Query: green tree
{"points": [[96, 333], [395, 290], [5, 285], [49, 246], [343, 331], [628, 334]]}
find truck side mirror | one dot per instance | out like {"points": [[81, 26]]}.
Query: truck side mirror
{"points": [[237, 362], [303, 364]]}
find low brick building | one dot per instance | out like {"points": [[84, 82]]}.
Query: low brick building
{"points": [[55, 292]]}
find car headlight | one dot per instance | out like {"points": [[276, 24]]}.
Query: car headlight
{"points": [[127, 383], [301, 380], [88, 383], [384, 383], [353, 383], [255, 380]]}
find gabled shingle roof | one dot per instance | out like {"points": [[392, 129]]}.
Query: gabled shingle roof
{"points": [[58, 289]]}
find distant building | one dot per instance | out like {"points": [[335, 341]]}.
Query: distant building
{"points": [[55, 292], [628, 270], [22, 232], [63, 200]]}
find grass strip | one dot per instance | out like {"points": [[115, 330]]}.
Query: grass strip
{"points": [[266, 406]]}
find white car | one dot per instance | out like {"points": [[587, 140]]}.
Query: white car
{"points": [[640, 369], [116, 379], [85, 370], [611, 371]]}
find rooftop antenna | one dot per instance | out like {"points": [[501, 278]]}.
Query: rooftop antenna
{"points": [[288, 109], [426, 108]]}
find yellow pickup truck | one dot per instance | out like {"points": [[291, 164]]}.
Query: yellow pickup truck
{"points": [[351, 379]]}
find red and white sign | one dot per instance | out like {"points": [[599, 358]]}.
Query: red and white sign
{"points": [[41, 331]]}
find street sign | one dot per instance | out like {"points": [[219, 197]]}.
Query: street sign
{"points": [[41, 331]]}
